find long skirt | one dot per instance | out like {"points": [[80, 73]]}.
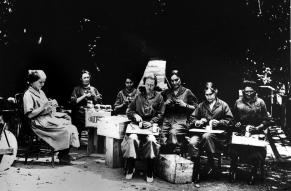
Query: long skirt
{"points": [[78, 119], [140, 146], [57, 131]]}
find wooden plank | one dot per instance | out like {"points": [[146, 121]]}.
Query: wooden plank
{"points": [[101, 145], [206, 131], [133, 128], [112, 126], [248, 141], [113, 155], [92, 141], [8, 151], [157, 67]]}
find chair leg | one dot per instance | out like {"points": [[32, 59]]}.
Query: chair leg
{"points": [[233, 169], [262, 170], [53, 157], [26, 156], [219, 160], [28, 151]]}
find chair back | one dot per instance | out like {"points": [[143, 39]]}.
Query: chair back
{"points": [[24, 124]]}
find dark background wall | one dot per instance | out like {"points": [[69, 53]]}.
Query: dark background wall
{"points": [[205, 40]]}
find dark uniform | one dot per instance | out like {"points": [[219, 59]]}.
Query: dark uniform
{"points": [[176, 118]]}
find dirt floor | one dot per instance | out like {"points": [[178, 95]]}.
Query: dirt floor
{"points": [[90, 173]]}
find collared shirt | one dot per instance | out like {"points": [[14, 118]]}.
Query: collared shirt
{"points": [[149, 108], [33, 99], [253, 112], [122, 97], [220, 112], [178, 114]]}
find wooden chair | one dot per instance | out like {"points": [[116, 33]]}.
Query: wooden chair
{"points": [[34, 146]]}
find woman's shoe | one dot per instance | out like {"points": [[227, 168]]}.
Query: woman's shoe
{"points": [[150, 179], [129, 175], [150, 176]]}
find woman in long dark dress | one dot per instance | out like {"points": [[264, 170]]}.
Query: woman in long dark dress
{"points": [[53, 127], [250, 113], [81, 96], [180, 102], [147, 109]]}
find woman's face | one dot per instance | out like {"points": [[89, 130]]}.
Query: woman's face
{"points": [[85, 79], [38, 84], [249, 93], [150, 85], [128, 83], [175, 81], [210, 95]]}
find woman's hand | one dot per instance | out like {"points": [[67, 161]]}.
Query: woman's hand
{"points": [[214, 122], [126, 102], [137, 118], [146, 124], [87, 94], [47, 108], [238, 124], [200, 122], [252, 128], [168, 101], [181, 103]]}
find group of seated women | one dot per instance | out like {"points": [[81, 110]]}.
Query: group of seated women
{"points": [[175, 110]]}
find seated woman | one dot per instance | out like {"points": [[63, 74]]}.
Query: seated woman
{"points": [[81, 96], [180, 102], [213, 112], [146, 108], [125, 96], [250, 113], [53, 127]]}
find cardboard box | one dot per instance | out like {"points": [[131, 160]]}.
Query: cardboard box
{"points": [[92, 117], [112, 126], [175, 169]]}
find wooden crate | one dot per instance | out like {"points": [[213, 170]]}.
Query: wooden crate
{"points": [[93, 116], [96, 143], [112, 126], [175, 169], [113, 155]]}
